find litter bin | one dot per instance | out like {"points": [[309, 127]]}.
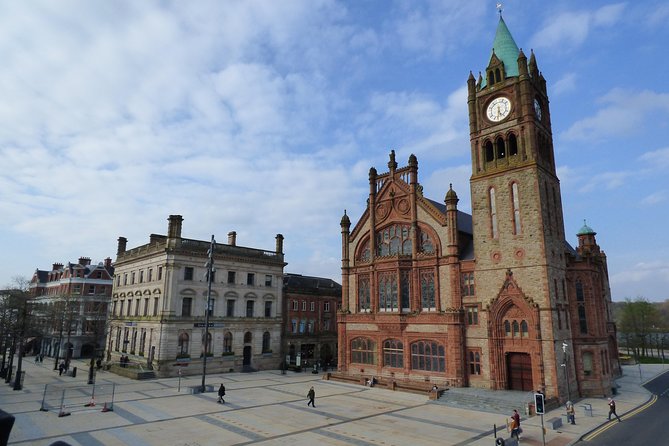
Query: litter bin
{"points": [[74, 372], [614, 390]]}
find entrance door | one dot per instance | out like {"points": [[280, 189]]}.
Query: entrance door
{"points": [[519, 368], [247, 356]]}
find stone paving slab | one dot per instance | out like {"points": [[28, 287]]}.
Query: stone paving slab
{"points": [[268, 408]]}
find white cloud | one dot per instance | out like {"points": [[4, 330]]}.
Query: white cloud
{"points": [[565, 84], [658, 159], [654, 198], [570, 29], [622, 113]]}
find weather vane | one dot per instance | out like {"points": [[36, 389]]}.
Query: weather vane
{"points": [[499, 8]]}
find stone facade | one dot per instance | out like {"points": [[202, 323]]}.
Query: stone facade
{"points": [[159, 305], [310, 324], [498, 299]]}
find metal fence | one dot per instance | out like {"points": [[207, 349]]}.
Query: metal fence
{"points": [[67, 399]]}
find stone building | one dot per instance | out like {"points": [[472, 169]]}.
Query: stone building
{"points": [[497, 299], [159, 302], [71, 302], [310, 324]]}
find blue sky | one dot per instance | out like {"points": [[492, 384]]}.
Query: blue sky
{"points": [[264, 117]]}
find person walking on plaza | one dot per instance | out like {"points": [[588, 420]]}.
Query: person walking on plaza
{"points": [[612, 409], [311, 395], [61, 368], [515, 425], [221, 394], [571, 413]]}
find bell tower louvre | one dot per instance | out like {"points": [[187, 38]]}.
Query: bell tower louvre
{"points": [[433, 295]]}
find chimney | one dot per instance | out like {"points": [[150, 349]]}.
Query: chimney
{"points": [[84, 261], [174, 226], [232, 238], [122, 243], [108, 263], [153, 238], [279, 244], [56, 266]]}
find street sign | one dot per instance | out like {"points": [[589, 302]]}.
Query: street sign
{"points": [[211, 325]]}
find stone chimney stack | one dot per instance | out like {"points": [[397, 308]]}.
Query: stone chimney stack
{"points": [[57, 266], [84, 261], [279, 244], [174, 226], [108, 263], [232, 238], [122, 243]]}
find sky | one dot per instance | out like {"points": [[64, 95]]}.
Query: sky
{"points": [[264, 117]]}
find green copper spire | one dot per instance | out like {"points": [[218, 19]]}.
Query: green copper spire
{"points": [[586, 230], [505, 49]]}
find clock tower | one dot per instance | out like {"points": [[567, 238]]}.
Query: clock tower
{"points": [[518, 228]]}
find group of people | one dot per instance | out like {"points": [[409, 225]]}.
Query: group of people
{"points": [[39, 358], [124, 361], [311, 396], [514, 422]]}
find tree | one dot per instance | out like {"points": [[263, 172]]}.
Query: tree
{"points": [[638, 320]]}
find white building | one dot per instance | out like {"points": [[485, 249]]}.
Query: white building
{"points": [[160, 297]]}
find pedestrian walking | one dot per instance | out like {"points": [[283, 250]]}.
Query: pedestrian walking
{"points": [[571, 413], [515, 425], [311, 395], [61, 368], [612, 409], [221, 394]]}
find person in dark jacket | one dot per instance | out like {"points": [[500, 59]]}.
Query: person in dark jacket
{"points": [[221, 394], [311, 395]]}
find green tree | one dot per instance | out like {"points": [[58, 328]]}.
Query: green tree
{"points": [[639, 320]]}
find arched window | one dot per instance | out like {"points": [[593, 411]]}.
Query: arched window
{"points": [[394, 240], [491, 77], [516, 329], [493, 212], [405, 289], [388, 292], [183, 343], [498, 76], [516, 208], [426, 244], [489, 152], [393, 353], [428, 355], [227, 342], [427, 290], [365, 253], [523, 329], [507, 328], [580, 301], [363, 351], [266, 343], [363, 294], [513, 145], [248, 337], [501, 148]]}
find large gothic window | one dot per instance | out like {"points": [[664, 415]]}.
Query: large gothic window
{"points": [[388, 291], [516, 208], [426, 244], [394, 240], [427, 290], [428, 355], [363, 351], [580, 302], [363, 293], [393, 353], [365, 253]]}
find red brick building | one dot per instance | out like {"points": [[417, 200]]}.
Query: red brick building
{"points": [[497, 299], [310, 324]]}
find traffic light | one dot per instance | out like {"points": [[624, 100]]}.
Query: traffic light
{"points": [[539, 403]]}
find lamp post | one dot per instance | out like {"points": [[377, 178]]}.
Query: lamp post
{"points": [[566, 368], [210, 270]]}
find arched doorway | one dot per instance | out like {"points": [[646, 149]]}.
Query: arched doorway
{"points": [[519, 369]]}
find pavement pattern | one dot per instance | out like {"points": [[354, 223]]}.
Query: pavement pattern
{"points": [[269, 408]]}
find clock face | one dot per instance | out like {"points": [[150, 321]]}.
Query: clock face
{"points": [[499, 109], [537, 109]]}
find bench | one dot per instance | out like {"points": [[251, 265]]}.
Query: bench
{"points": [[587, 409], [555, 423]]}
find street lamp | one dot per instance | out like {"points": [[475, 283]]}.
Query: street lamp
{"points": [[210, 269], [566, 368]]}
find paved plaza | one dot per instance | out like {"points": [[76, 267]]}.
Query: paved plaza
{"points": [[268, 408]]}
